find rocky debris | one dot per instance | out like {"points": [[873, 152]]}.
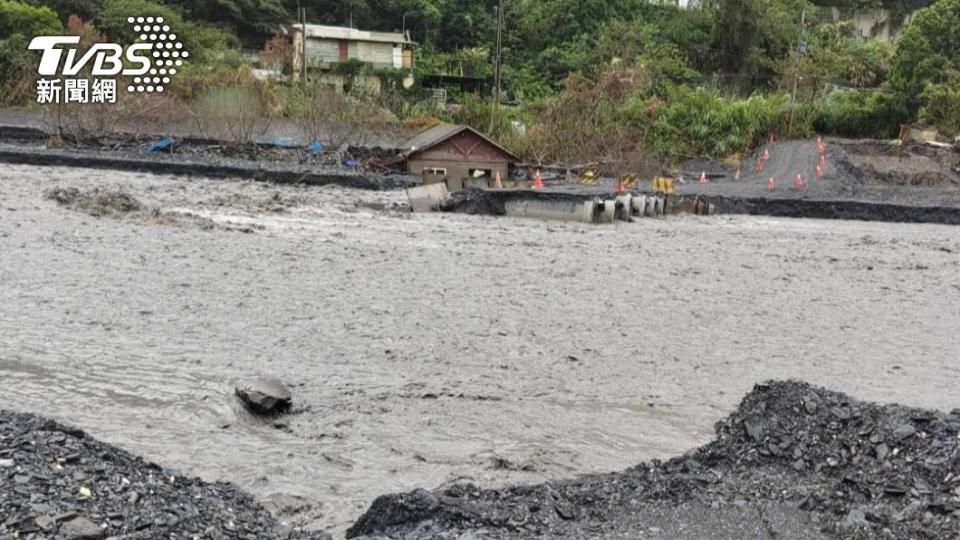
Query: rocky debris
{"points": [[66, 485], [99, 201], [793, 461], [265, 396]]}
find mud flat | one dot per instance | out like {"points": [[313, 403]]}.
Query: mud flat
{"points": [[793, 461], [57, 481]]}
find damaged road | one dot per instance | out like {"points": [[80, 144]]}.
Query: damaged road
{"points": [[794, 461]]}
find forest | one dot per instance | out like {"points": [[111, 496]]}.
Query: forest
{"points": [[625, 81]]}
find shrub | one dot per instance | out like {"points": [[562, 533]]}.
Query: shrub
{"points": [[860, 113]]}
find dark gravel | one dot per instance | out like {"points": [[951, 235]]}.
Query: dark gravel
{"points": [[57, 482], [794, 461]]}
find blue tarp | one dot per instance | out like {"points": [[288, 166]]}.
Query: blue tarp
{"points": [[316, 147], [165, 143]]}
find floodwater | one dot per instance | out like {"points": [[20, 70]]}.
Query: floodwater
{"points": [[429, 349]]}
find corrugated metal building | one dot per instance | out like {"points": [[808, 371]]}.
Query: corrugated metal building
{"points": [[457, 155]]}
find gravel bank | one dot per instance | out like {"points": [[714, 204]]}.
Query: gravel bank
{"points": [[59, 482], [793, 461]]}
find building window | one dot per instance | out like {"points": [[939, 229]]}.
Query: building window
{"points": [[438, 171], [481, 173]]}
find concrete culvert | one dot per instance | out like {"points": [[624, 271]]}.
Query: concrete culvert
{"points": [[638, 205]]}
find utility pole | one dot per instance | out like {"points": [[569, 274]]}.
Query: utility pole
{"points": [[796, 74], [498, 59], [302, 13]]}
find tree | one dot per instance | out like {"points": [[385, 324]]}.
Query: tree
{"points": [[19, 23], [928, 52], [29, 21]]}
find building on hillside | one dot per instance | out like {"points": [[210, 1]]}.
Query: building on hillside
{"points": [[457, 155], [322, 48]]}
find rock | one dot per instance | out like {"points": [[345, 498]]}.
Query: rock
{"points": [[904, 432], [81, 528], [882, 451], [855, 519], [810, 405], [565, 510], [265, 396], [754, 430], [46, 522], [6, 463]]}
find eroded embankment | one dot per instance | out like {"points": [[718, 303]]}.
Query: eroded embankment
{"points": [[858, 210], [194, 157], [793, 461], [484, 202], [59, 482]]}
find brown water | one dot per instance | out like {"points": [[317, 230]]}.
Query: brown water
{"points": [[428, 349]]}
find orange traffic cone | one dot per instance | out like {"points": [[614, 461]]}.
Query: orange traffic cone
{"points": [[736, 175], [758, 166], [619, 185], [703, 177], [798, 183], [823, 161], [771, 184], [537, 180], [497, 183], [766, 154]]}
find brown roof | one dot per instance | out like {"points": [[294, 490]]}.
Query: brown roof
{"points": [[437, 134]]}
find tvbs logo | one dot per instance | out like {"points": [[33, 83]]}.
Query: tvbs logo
{"points": [[151, 62]]}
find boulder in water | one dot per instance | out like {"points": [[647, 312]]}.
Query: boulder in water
{"points": [[265, 396]]}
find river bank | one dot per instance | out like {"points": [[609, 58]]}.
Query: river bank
{"points": [[793, 462]]}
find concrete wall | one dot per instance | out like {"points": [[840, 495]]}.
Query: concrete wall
{"points": [[458, 172], [871, 23]]}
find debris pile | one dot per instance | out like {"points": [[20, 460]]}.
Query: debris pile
{"points": [[99, 201], [794, 461], [60, 483]]}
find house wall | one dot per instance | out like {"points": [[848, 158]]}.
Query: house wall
{"points": [[458, 155], [323, 52]]}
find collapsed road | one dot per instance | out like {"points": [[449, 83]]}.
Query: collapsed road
{"points": [[793, 462]]}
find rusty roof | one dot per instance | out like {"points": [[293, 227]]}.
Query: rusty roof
{"points": [[437, 134]]}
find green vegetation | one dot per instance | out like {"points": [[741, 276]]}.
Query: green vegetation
{"points": [[19, 23], [622, 81]]}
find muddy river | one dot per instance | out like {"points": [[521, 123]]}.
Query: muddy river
{"points": [[429, 349]]}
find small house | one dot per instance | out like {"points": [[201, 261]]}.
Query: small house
{"points": [[457, 155]]}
